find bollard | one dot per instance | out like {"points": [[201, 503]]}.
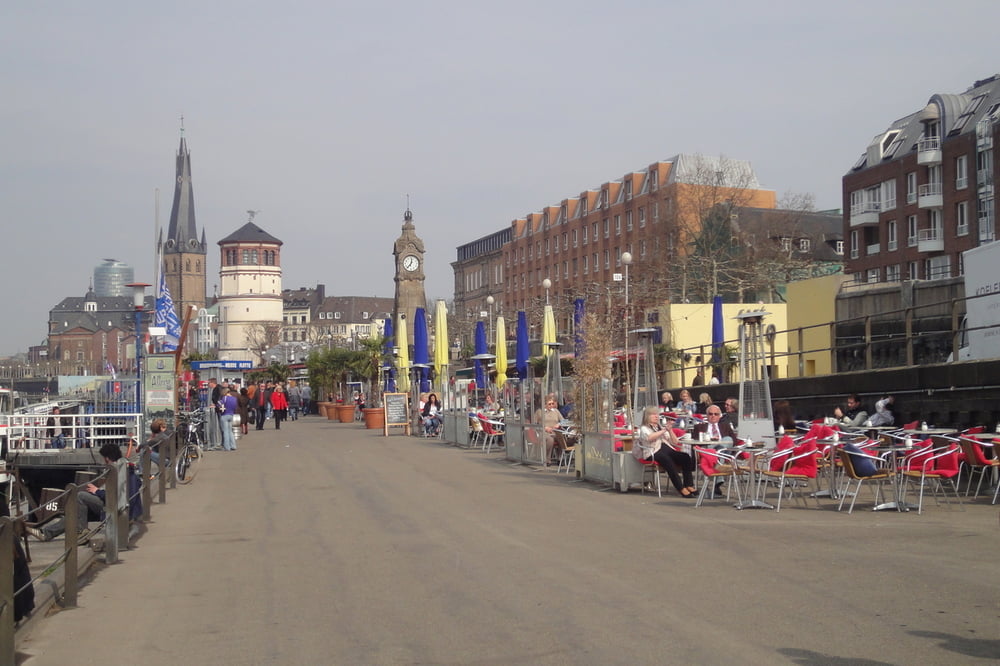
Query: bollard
{"points": [[145, 467], [71, 531], [111, 512]]}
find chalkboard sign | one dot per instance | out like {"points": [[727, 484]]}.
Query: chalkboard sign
{"points": [[397, 411]]}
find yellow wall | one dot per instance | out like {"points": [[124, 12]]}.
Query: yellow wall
{"points": [[812, 302], [688, 326]]}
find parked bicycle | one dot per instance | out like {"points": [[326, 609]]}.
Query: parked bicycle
{"points": [[191, 450]]}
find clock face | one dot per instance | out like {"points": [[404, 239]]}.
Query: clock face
{"points": [[411, 263]]}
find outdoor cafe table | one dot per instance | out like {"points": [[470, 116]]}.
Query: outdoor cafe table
{"points": [[897, 479], [752, 501], [929, 431]]}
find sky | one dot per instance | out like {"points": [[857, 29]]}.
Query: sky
{"points": [[325, 115]]}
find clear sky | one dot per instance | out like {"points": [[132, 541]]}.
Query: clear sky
{"points": [[324, 115]]}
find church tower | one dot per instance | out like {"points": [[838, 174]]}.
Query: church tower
{"points": [[184, 253], [408, 253]]}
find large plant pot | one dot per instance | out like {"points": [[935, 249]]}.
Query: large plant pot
{"points": [[374, 418], [331, 411], [345, 413]]}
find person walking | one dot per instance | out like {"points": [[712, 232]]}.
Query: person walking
{"points": [[261, 402], [294, 395], [243, 407], [279, 405], [227, 409]]}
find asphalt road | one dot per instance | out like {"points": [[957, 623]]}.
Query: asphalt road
{"points": [[324, 543]]}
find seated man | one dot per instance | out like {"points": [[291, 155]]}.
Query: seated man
{"points": [[89, 502], [549, 418], [854, 415], [714, 428], [883, 415]]}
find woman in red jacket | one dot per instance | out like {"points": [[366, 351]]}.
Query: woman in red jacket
{"points": [[279, 403]]}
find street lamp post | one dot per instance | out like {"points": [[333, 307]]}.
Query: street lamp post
{"points": [[490, 301], [546, 285], [138, 303]]}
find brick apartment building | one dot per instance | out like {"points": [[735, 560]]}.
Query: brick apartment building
{"points": [[923, 190], [578, 244]]}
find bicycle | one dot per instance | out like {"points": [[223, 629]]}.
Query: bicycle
{"points": [[191, 452]]}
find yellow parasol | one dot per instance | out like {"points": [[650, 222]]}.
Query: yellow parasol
{"points": [[441, 344], [548, 330], [403, 360], [501, 352]]}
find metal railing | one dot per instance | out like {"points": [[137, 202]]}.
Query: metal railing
{"points": [[78, 431]]}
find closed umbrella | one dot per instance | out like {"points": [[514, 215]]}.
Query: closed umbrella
{"points": [[481, 350], [403, 360], [501, 352], [578, 328], [441, 344], [390, 372], [522, 351], [548, 330], [421, 356]]}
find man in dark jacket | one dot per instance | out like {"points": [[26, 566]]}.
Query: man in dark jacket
{"points": [[262, 400]]}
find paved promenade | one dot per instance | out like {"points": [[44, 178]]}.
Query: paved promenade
{"points": [[324, 543]]}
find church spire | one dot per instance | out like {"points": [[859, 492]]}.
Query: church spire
{"points": [[182, 234]]}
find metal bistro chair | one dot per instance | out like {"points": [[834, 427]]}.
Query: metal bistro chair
{"points": [[717, 467], [798, 467], [476, 429], [976, 461], [930, 466], [879, 478], [492, 431], [651, 467], [568, 451]]}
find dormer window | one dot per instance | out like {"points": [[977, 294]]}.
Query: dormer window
{"points": [[804, 244], [336, 315]]}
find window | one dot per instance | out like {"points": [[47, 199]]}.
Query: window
{"points": [[586, 266], [838, 247], [888, 195], [656, 212], [594, 263], [585, 234], [872, 275], [607, 259], [892, 241], [546, 247], [565, 237], [566, 270], [804, 244], [642, 248], [607, 228], [628, 220], [575, 267], [911, 187], [966, 114], [961, 172], [892, 273], [583, 205], [596, 232], [618, 256], [336, 315], [938, 268], [628, 189], [911, 271], [576, 237], [618, 225], [654, 178], [962, 218], [986, 220], [911, 231], [786, 244], [642, 217], [854, 244]]}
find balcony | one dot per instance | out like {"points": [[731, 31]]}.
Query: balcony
{"points": [[929, 196], [873, 249], [930, 240], [892, 246], [864, 213], [929, 151], [984, 179]]}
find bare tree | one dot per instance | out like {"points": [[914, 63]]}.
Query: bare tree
{"points": [[261, 336]]}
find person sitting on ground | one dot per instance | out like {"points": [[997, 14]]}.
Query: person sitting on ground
{"points": [[704, 402], [89, 502], [660, 444], [714, 428], [431, 415], [853, 415], [549, 418], [685, 403], [883, 415]]}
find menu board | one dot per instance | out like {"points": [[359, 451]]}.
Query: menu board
{"points": [[397, 411]]}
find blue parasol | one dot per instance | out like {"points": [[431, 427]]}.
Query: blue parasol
{"points": [[481, 348], [718, 331], [522, 352], [578, 328], [421, 356], [390, 372]]}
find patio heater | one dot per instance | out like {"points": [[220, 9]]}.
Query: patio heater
{"points": [[553, 373], [644, 393], [485, 360], [756, 417]]}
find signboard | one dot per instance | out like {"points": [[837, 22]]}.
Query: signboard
{"points": [[159, 386], [397, 410], [224, 365]]}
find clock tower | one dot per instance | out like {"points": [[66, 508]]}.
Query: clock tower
{"points": [[408, 254]]}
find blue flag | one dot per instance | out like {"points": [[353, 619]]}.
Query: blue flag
{"points": [[166, 316]]}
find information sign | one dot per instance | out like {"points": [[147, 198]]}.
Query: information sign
{"points": [[397, 410]]}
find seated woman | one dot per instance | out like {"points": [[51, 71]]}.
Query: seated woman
{"points": [[666, 401], [704, 402], [431, 415], [685, 403], [661, 445]]}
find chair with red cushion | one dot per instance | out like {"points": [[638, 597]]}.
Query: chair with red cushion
{"points": [[651, 467], [976, 461], [492, 431], [781, 452], [717, 467], [797, 469], [851, 474], [974, 430], [913, 425], [940, 466]]}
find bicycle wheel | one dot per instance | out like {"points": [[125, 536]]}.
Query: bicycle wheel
{"points": [[188, 462]]}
